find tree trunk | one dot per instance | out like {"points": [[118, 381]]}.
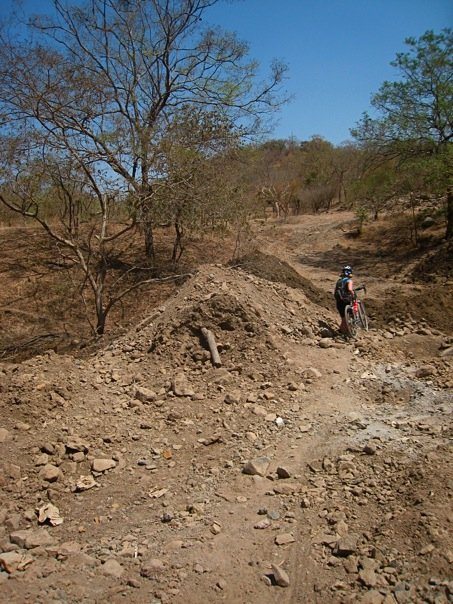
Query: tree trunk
{"points": [[149, 238], [101, 314], [100, 325], [449, 233], [177, 246]]}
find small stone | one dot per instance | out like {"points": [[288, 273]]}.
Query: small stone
{"points": [[51, 514], [346, 546], [312, 373], [180, 386], [29, 538], [84, 483], [69, 548], [368, 577], [372, 597], [50, 473], [257, 466], [233, 398], [12, 561], [283, 472], [216, 529], [102, 465], [425, 371], [152, 568], [342, 528], [285, 489], [281, 577], [273, 514], [325, 343], [263, 524], [42, 460], [284, 539], [369, 449], [428, 549], [48, 448], [305, 428], [112, 568], [5, 435], [145, 395], [76, 444]]}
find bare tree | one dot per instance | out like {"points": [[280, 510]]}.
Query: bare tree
{"points": [[89, 99], [104, 79]]}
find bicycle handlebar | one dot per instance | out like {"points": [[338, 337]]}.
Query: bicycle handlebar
{"points": [[360, 288]]}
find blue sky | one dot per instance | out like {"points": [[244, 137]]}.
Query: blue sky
{"points": [[338, 51]]}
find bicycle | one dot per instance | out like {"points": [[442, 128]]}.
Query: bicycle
{"points": [[355, 314]]}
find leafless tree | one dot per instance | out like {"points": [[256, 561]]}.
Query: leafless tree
{"points": [[104, 80], [87, 102]]}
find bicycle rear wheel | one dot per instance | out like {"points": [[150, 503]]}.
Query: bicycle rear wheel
{"points": [[350, 321], [363, 316]]}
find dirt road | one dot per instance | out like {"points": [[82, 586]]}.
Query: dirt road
{"points": [[304, 469]]}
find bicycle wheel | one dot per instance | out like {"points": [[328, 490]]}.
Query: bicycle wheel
{"points": [[350, 321], [363, 319]]}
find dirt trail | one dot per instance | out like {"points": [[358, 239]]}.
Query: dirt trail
{"points": [[304, 469]]}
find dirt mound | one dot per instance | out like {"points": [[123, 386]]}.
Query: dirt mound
{"points": [[436, 264], [430, 306], [273, 269]]}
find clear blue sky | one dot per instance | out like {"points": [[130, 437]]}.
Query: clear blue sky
{"points": [[338, 51]]}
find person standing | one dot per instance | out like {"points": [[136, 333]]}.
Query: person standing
{"points": [[344, 294]]}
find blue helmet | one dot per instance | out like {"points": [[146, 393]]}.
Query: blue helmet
{"points": [[347, 270]]}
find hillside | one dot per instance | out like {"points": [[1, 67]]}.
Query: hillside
{"points": [[302, 469]]}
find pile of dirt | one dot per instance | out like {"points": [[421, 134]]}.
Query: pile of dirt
{"points": [[273, 269], [431, 305], [436, 264]]}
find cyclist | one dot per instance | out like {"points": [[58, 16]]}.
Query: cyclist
{"points": [[344, 293]]}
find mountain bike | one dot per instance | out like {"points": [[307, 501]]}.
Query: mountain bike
{"points": [[355, 314]]}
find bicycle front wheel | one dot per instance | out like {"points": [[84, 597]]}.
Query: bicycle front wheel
{"points": [[350, 321], [363, 316]]}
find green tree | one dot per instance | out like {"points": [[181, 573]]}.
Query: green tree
{"points": [[414, 115]]}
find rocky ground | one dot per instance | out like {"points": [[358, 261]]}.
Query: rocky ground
{"points": [[303, 468]]}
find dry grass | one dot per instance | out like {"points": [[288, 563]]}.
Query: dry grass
{"points": [[40, 302]]}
